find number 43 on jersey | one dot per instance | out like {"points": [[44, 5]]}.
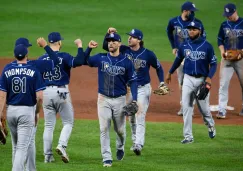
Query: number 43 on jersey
{"points": [[53, 75]]}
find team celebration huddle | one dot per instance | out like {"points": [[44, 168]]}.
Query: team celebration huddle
{"points": [[124, 85]]}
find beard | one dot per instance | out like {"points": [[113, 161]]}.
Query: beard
{"points": [[195, 36], [112, 50], [190, 16]]}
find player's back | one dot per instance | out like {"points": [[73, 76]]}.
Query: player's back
{"points": [[21, 82], [61, 74]]}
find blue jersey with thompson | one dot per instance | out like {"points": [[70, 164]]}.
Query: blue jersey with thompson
{"points": [[177, 31], [61, 74], [198, 54], [21, 82], [113, 73], [231, 34], [142, 60]]}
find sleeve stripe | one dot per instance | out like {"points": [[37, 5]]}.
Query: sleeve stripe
{"points": [[42, 88], [212, 62], [72, 62], [133, 79], [3, 89], [220, 38]]}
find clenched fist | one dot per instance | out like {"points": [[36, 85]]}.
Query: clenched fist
{"points": [[93, 44], [78, 42], [111, 30], [41, 42]]}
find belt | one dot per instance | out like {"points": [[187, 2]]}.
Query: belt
{"points": [[142, 85], [196, 76], [113, 96], [55, 86]]}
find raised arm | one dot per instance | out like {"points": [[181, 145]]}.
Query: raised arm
{"points": [[41, 42]]}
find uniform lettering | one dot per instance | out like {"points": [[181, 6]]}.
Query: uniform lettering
{"points": [[230, 33], [19, 71], [138, 63], [48, 58], [182, 33], [194, 55], [112, 70]]}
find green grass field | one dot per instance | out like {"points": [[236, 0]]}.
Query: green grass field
{"points": [[90, 19], [163, 150]]}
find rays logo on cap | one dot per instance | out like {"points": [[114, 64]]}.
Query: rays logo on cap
{"points": [[111, 35], [133, 31], [194, 5], [51, 41], [227, 9], [20, 54], [192, 24]]}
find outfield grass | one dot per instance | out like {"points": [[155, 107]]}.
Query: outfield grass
{"points": [[163, 150], [89, 19]]}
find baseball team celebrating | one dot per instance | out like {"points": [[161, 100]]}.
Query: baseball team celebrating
{"points": [[123, 78]]}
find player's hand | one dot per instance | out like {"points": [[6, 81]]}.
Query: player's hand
{"points": [[223, 54], [78, 42], [93, 44], [37, 115], [41, 42], [111, 30], [174, 51], [208, 80], [168, 78]]}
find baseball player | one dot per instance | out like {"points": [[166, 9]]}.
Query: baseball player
{"points": [[57, 98], [42, 66], [230, 37], [177, 34], [142, 59], [200, 66], [115, 70], [21, 87]]}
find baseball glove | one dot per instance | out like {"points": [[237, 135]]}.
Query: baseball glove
{"points": [[130, 109], [3, 131], [163, 89], [233, 55], [203, 90]]}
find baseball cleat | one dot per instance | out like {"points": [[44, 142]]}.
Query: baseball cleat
{"points": [[180, 112], [107, 163], [137, 150], [62, 152], [187, 141], [120, 154], [220, 115], [211, 132], [49, 159]]}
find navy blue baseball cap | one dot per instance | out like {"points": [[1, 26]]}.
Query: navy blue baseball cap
{"points": [[189, 6], [20, 51], [23, 41], [194, 24], [229, 10], [136, 33], [113, 36], [54, 37]]}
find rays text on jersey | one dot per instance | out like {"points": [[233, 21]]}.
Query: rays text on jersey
{"points": [[112, 70], [194, 55]]}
